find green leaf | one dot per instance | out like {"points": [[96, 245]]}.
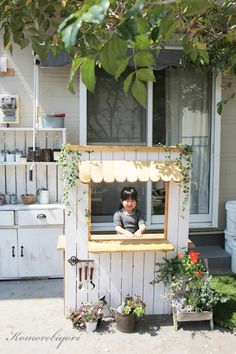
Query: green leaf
{"points": [[144, 58], [219, 107], [68, 30], [145, 74], [142, 42], [127, 82], [128, 29], [122, 65], [166, 22], [6, 38], [74, 67], [139, 92], [204, 55], [193, 7], [142, 25], [46, 25], [193, 54], [106, 63], [88, 73], [96, 13]]}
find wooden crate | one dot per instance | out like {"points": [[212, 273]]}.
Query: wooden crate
{"points": [[192, 316]]}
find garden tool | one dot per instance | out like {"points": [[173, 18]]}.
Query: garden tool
{"points": [[86, 271], [91, 277], [80, 277]]}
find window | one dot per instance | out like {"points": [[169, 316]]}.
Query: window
{"points": [[179, 111]]}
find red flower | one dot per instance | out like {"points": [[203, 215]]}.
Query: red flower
{"points": [[180, 255], [198, 273], [194, 256]]}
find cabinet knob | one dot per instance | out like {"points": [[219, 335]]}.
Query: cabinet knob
{"points": [[41, 216]]}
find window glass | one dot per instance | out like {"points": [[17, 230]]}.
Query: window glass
{"points": [[114, 117], [181, 115]]}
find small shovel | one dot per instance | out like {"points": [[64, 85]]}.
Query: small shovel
{"points": [[80, 277]]}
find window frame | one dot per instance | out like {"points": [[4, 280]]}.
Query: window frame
{"points": [[157, 222]]}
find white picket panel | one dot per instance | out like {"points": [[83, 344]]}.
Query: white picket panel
{"points": [[41, 171], [70, 250], [93, 294], [104, 276], [159, 289], [127, 273], [148, 289], [2, 179], [115, 280], [138, 267]]}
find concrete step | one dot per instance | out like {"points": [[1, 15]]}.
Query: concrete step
{"points": [[219, 261]]}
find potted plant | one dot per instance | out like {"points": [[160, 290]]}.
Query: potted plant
{"points": [[2, 155], [43, 196], [27, 198], [10, 156], [189, 288], [2, 199], [126, 314], [87, 316], [18, 154]]}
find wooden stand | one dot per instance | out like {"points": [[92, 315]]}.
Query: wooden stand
{"points": [[192, 316]]}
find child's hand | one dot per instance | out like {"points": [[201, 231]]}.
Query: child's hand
{"points": [[138, 233], [128, 234]]}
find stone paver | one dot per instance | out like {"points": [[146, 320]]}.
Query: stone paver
{"points": [[32, 322]]}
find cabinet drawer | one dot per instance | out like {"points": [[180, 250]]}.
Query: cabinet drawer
{"points": [[40, 217], [6, 218]]}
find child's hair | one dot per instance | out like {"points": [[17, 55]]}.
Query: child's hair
{"points": [[128, 192]]}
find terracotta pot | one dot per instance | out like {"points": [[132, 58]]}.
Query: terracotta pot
{"points": [[27, 199]]}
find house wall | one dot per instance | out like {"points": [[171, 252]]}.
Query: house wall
{"points": [[228, 153], [54, 96], [53, 93]]}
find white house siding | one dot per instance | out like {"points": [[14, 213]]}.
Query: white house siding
{"points": [[228, 153]]}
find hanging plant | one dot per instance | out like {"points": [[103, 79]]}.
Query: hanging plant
{"points": [[68, 160], [185, 164]]}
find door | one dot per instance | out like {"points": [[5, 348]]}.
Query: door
{"points": [[8, 253], [38, 254]]}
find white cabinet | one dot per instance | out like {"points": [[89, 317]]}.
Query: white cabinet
{"points": [[28, 242], [8, 253], [38, 255]]}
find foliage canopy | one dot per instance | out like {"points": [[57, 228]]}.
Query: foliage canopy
{"points": [[115, 34]]}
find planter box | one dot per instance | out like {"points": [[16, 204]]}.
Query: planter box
{"points": [[192, 316]]}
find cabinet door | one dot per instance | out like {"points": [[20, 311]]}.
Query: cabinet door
{"points": [[38, 254], [8, 253]]}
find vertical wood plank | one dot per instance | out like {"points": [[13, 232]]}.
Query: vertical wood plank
{"points": [[159, 290], [138, 267], [2, 179], [93, 294], [70, 250], [148, 291], [51, 182], [20, 181], [10, 179], [115, 279], [41, 180], [127, 273], [104, 276]]}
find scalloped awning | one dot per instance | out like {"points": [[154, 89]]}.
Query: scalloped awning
{"points": [[131, 171]]}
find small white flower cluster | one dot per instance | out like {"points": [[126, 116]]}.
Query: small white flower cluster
{"points": [[180, 305]]}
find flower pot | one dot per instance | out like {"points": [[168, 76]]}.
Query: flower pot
{"points": [[13, 199], [2, 157], [10, 157], [125, 323], [18, 157], [8, 198], [91, 326], [2, 199], [43, 196], [27, 199]]}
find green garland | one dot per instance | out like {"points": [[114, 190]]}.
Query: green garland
{"points": [[68, 160]]}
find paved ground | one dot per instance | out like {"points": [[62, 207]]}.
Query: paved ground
{"points": [[32, 322]]}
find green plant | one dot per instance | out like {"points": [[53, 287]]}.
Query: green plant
{"points": [[189, 286], [87, 313], [133, 304], [68, 160]]}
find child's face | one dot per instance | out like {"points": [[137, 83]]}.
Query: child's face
{"points": [[129, 205]]}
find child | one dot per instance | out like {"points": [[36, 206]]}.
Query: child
{"points": [[127, 219]]}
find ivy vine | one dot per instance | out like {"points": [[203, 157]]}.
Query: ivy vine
{"points": [[68, 160]]}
